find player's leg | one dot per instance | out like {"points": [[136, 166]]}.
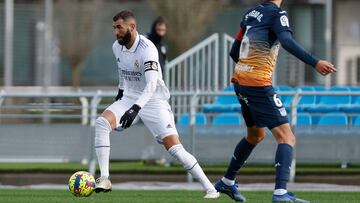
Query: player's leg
{"points": [[104, 124], [173, 145], [283, 158], [244, 148], [158, 118], [269, 111], [242, 151]]}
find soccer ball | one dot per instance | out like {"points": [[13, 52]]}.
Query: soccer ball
{"points": [[82, 184]]}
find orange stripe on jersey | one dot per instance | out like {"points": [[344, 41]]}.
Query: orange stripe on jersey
{"points": [[257, 67]]}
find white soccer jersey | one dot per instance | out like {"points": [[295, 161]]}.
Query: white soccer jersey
{"points": [[132, 64]]}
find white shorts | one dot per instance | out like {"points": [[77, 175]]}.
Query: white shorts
{"points": [[156, 116]]}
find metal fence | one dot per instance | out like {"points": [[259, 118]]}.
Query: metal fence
{"points": [[63, 131], [207, 67], [195, 70], [199, 70]]}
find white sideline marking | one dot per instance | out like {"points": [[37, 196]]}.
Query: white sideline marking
{"points": [[318, 187]]}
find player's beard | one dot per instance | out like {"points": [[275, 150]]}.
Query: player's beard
{"points": [[125, 39]]}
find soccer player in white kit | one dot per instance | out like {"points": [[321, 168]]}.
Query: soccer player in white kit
{"points": [[142, 95]]}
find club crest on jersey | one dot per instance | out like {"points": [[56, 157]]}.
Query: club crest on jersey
{"points": [[136, 64], [284, 21]]}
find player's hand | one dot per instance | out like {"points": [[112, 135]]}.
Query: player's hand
{"points": [[325, 67], [119, 95], [129, 116]]}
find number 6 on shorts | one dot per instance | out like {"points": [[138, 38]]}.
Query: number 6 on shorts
{"points": [[277, 101]]}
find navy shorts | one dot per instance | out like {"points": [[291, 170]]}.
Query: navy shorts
{"points": [[261, 106]]}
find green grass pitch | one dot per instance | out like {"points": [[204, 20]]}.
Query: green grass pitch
{"points": [[39, 196]]}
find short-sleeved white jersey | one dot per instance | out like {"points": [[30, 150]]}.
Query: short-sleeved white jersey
{"points": [[132, 65]]}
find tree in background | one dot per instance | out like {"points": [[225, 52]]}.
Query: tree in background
{"points": [[75, 23], [187, 19]]}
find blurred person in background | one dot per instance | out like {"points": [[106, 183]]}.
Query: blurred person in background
{"points": [[156, 35], [255, 50]]}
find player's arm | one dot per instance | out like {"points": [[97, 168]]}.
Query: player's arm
{"points": [[235, 48], [151, 68], [284, 34], [151, 78], [290, 45], [120, 93], [121, 78]]}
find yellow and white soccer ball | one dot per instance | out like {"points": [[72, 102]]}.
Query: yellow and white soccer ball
{"points": [[82, 184]]}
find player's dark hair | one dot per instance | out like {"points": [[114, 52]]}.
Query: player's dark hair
{"points": [[125, 15]]}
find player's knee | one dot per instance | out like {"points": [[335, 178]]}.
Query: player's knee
{"points": [[103, 123], [109, 117], [292, 140], [255, 135], [286, 138], [284, 135], [255, 139], [170, 141], [102, 131]]}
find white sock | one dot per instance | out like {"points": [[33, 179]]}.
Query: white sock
{"points": [[227, 181], [102, 144], [280, 191], [191, 165]]}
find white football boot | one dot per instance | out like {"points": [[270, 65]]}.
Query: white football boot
{"points": [[212, 194], [103, 184]]}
